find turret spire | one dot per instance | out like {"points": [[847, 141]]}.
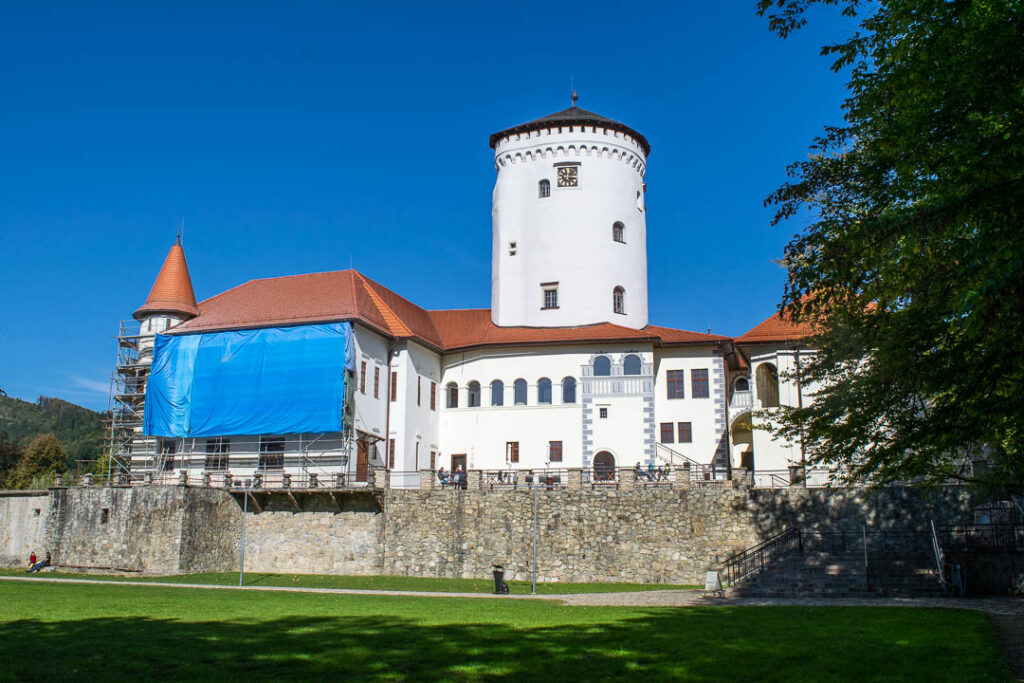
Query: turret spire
{"points": [[172, 292]]}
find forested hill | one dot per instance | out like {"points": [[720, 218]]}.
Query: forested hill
{"points": [[79, 429]]}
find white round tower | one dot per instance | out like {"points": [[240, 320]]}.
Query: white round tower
{"points": [[569, 244]]}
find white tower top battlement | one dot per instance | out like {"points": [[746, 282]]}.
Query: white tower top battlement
{"points": [[569, 243]]}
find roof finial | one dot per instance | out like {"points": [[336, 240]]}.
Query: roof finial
{"points": [[574, 97], [180, 231]]}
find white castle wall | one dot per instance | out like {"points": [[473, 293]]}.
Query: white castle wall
{"points": [[567, 237], [706, 415], [482, 432]]}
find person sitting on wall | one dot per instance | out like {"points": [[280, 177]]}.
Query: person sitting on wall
{"points": [[32, 559], [638, 471], [442, 476], [650, 471], [40, 565]]}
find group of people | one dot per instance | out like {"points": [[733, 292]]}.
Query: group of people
{"points": [[456, 478], [652, 473], [34, 565]]}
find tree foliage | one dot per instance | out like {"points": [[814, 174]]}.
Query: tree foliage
{"points": [[10, 453], [79, 429], [44, 458], [911, 265]]}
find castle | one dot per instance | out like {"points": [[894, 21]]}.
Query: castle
{"points": [[330, 376]]}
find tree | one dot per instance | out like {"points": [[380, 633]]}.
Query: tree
{"points": [[10, 453], [44, 458], [912, 264]]}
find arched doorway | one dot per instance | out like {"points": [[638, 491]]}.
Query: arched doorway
{"points": [[742, 434], [604, 466]]}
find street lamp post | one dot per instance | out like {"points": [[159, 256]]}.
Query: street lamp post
{"points": [[245, 511]]}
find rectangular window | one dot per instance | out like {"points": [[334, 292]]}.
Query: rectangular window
{"points": [[376, 382], [602, 412], [433, 395], [511, 451], [666, 432], [272, 453], [699, 383], [217, 451], [391, 454], [362, 377], [419, 389], [433, 460], [417, 455], [685, 432], [554, 451], [550, 290], [676, 384], [394, 386]]}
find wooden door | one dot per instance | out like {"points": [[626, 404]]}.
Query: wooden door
{"points": [[459, 460], [362, 460]]}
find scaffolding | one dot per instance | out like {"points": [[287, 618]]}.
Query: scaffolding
{"points": [[126, 403], [134, 458]]}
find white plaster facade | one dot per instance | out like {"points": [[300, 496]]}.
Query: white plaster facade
{"points": [[565, 240]]}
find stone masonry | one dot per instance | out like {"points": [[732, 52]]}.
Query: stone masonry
{"points": [[619, 533]]}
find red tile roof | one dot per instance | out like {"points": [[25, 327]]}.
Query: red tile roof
{"points": [[350, 295], [777, 328], [172, 291]]}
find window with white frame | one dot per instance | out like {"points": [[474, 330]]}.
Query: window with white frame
{"points": [[550, 295]]}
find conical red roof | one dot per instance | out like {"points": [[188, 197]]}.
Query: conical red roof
{"points": [[172, 291]]}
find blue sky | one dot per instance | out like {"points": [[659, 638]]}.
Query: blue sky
{"points": [[308, 138]]}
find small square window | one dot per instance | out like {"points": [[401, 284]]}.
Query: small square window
{"points": [[550, 296], [685, 432], [603, 413], [554, 451], [511, 248], [104, 515], [666, 432]]}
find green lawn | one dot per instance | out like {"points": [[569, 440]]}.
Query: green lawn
{"points": [[92, 632], [391, 583]]}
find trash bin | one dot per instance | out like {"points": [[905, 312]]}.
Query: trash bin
{"points": [[500, 587]]}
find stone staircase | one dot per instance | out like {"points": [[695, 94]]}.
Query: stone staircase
{"points": [[842, 574]]}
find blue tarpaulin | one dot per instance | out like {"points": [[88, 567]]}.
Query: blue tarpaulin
{"points": [[281, 380]]}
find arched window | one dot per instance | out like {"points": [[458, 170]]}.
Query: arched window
{"points": [[497, 393], [569, 390], [544, 188], [742, 384], [473, 395], [543, 390], [452, 389], [602, 366], [619, 300], [768, 385], [519, 389], [618, 232], [631, 366]]}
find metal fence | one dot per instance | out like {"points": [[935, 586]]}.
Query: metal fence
{"points": [[981, 537], [753, 560]]}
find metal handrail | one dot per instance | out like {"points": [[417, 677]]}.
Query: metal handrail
{"points": [[754, 559], [940, 560]]}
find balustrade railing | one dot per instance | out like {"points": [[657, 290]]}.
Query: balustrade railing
{"points": [[753, 560]]}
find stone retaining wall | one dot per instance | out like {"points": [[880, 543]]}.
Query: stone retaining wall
{"points": [[23, 521], [654, 534]]}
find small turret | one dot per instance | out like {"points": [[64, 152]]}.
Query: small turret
{"points": [[170, 301]]}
